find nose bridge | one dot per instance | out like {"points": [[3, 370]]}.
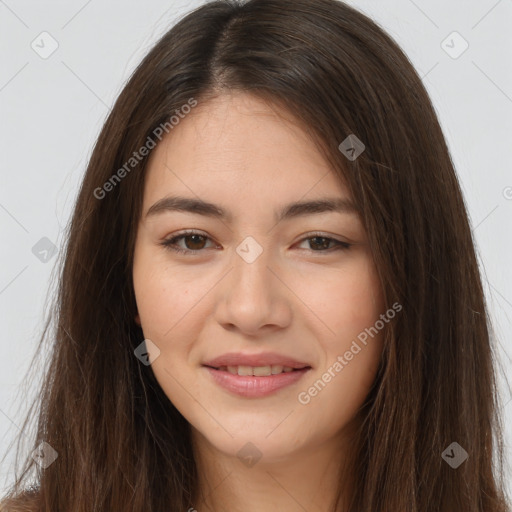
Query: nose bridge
{"points": [[251, 298], [250, 272]]}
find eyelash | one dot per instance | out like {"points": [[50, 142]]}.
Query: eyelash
{"points": [[170, 243]]}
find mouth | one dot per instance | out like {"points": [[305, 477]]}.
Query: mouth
{"points": [[255, 382]]}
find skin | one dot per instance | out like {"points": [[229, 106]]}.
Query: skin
{"points": [[295, 299]]}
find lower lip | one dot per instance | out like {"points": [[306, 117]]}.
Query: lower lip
{"points": [[254, 387]]}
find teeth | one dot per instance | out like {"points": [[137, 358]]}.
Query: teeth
{"points": [[262, 371], [245, 370], [257, 371]]}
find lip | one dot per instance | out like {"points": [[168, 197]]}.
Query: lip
{"points": [[249, 386], [261, 359]]}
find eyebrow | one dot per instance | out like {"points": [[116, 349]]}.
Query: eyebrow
{"points": [[289, 211]]}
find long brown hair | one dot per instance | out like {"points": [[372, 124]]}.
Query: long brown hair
{"points": [[121, 444]]}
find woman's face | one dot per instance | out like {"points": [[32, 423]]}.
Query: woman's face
{"points": [[263, 291]]}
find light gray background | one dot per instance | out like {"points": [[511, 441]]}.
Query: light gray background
{"points": [[51, 111]]}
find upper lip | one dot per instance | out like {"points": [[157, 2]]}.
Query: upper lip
{"points": [[254, 360]]}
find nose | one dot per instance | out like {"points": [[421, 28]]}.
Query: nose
{"points": [[252, 298]]}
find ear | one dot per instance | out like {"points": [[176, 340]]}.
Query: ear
{"points": [[137, 319]]}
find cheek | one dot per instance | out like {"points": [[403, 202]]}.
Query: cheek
{"points": [[349, 305], [166, 297], [171, 303], [348, 302], [168, 303]]}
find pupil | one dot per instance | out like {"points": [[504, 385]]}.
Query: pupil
{"points": [[325, 245], [194, 236]]}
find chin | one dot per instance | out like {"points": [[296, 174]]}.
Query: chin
{"points": [[251, 439]]}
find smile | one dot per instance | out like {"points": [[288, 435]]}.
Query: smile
{"points": [[255, 382]]}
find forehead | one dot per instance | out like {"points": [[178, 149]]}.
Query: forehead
{"points": [[237, 148]]}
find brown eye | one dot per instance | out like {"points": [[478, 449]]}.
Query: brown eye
{"points": [[197, 242], [193, 242], [320, 243]]}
